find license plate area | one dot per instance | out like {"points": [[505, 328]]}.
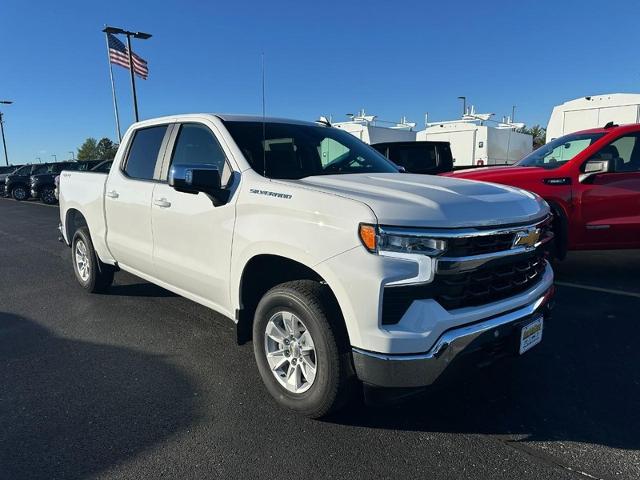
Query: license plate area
{"points": [[531, 334]]}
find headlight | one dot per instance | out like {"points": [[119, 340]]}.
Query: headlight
{"points": [[399, 240]]}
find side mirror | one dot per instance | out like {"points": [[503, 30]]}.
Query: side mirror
{"points": [[593, 167], [196, 178]]}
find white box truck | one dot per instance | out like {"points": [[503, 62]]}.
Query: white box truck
{"points": [[474, 144], [593, 112]]}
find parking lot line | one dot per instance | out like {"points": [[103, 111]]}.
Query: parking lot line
{"points": [[598, 289], [30, 203]]}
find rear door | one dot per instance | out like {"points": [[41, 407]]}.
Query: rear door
{"points": [[128, 194], [610, 203], [191, 236]]}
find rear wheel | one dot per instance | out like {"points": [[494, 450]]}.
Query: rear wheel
{"points": [[92, 274], [301, 349], [19, 193], [48, 196]]}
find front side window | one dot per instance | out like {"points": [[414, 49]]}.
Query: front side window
{"points": [[196, 144], [143, 154], [623, 153], [559, 151], [294, 151]]}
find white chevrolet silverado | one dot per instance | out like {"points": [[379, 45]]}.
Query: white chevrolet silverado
{"points": [[342, 270]]}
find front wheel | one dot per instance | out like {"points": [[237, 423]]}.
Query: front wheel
{"points": [[92, 274], [19, 193], [301, 349]]}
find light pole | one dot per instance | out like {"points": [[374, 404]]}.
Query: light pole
{"points": [[39, 159], [73, 155], [141, 36], [55, 157], [464, 105], [4, 142]]}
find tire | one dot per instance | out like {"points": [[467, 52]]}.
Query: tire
{"points": [[19, 193], [322, 342], [47, 195], [92, 275]]}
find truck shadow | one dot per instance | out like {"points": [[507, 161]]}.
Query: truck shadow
{"points": [[581, 384], [70, 408]]}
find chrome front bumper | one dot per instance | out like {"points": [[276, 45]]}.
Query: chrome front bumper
{"points": [[481, 342]]}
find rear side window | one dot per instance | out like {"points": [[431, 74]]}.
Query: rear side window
{"points": [[143, 154]]}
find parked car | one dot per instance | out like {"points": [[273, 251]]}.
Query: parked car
{"points": [[43, 184], [418, 157], [343, 270], [4, 173], [92, 165], [17, 184], [591, 180]]}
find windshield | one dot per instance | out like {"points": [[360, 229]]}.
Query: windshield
{"points": [[559, 151], [296, 151]]}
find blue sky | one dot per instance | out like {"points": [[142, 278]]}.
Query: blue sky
{"points": [[392, 58]]}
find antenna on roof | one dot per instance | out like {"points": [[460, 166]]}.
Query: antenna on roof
{"points": [[264, 125]]}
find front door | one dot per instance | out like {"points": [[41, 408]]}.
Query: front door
{"points": [[192, 236], [610, 202]]}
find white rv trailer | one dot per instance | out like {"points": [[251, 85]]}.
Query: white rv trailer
{"points": [[593, 112], [473, 143], [368, 129]]}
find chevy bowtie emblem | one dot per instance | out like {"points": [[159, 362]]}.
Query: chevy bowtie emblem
{"points": [[526, 238]]}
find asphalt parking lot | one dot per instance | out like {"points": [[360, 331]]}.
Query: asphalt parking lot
{"points": [[140, 383]]}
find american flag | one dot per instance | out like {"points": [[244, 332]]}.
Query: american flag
{"points": [[119, 54]]}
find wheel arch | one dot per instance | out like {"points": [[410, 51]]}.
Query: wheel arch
{"points": [[560, 228], [263, 272]]}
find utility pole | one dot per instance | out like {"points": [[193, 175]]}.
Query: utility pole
{"points": [[55, 157], [73, 155], [4, 141]]}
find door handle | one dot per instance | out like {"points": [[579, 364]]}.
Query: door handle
{"points": [[162, 203], [112, 194]]}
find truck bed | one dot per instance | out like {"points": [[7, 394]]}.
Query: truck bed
{"points": [[84, 191]]}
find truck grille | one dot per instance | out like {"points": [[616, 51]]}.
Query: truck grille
{"points": [[489, 284], [494, 280], [478, 287]]}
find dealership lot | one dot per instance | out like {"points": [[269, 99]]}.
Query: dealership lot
{"points": [[142, 382]]}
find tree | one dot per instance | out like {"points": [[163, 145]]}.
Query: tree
{"points": [[106, 149], [88, 150], [92, 149], [538, 133]]}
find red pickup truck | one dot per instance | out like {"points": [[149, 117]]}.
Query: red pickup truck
{"points": [[591, 180]]}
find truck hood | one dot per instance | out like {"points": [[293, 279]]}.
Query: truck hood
{"points": [[432, 201], [497, 174]]}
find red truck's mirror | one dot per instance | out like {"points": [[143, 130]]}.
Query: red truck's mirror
{"points": [[593, 167]]}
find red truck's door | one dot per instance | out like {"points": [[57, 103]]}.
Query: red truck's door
{"points": [[610, 202]]}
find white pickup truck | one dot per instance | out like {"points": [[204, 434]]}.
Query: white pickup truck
{"points": [[342, 270]]}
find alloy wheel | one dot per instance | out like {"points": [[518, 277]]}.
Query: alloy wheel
{"points": [[290, 351]]}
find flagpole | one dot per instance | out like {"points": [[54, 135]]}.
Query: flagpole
{"points": [[133, 77], [113, 90]]}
